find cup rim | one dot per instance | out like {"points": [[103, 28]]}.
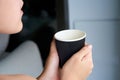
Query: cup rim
{"points": [[71, 40]]}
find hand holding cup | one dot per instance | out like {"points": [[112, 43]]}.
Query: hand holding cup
{"points": [[69, 42]]}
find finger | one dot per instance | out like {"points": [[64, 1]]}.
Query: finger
{"points": [[86, 43], [88, 59], [84, 51]]}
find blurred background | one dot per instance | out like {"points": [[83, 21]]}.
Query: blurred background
{"points": [[100, 19]]}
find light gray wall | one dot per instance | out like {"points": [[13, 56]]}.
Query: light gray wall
{"points": [[104, 36], [101, 21], [93, 10]]}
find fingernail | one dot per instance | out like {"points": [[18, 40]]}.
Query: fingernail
{"points": [[90, 46]]}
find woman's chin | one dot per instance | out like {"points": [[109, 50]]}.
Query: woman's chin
{"points": [[13, 29], [18, 29]]}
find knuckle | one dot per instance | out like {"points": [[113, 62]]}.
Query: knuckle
{"points": [[77, 57], [84, 48]]}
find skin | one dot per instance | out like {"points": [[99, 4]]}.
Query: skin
{"points": [[82, 61], [10, 16], [10, 22]]}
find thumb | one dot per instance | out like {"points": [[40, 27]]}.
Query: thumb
{"points": [[52, 62]]}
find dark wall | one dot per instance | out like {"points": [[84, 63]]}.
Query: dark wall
{"points": [[34, 7]]}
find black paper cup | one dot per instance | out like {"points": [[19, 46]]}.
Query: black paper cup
{"points": [[68, 42]]}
